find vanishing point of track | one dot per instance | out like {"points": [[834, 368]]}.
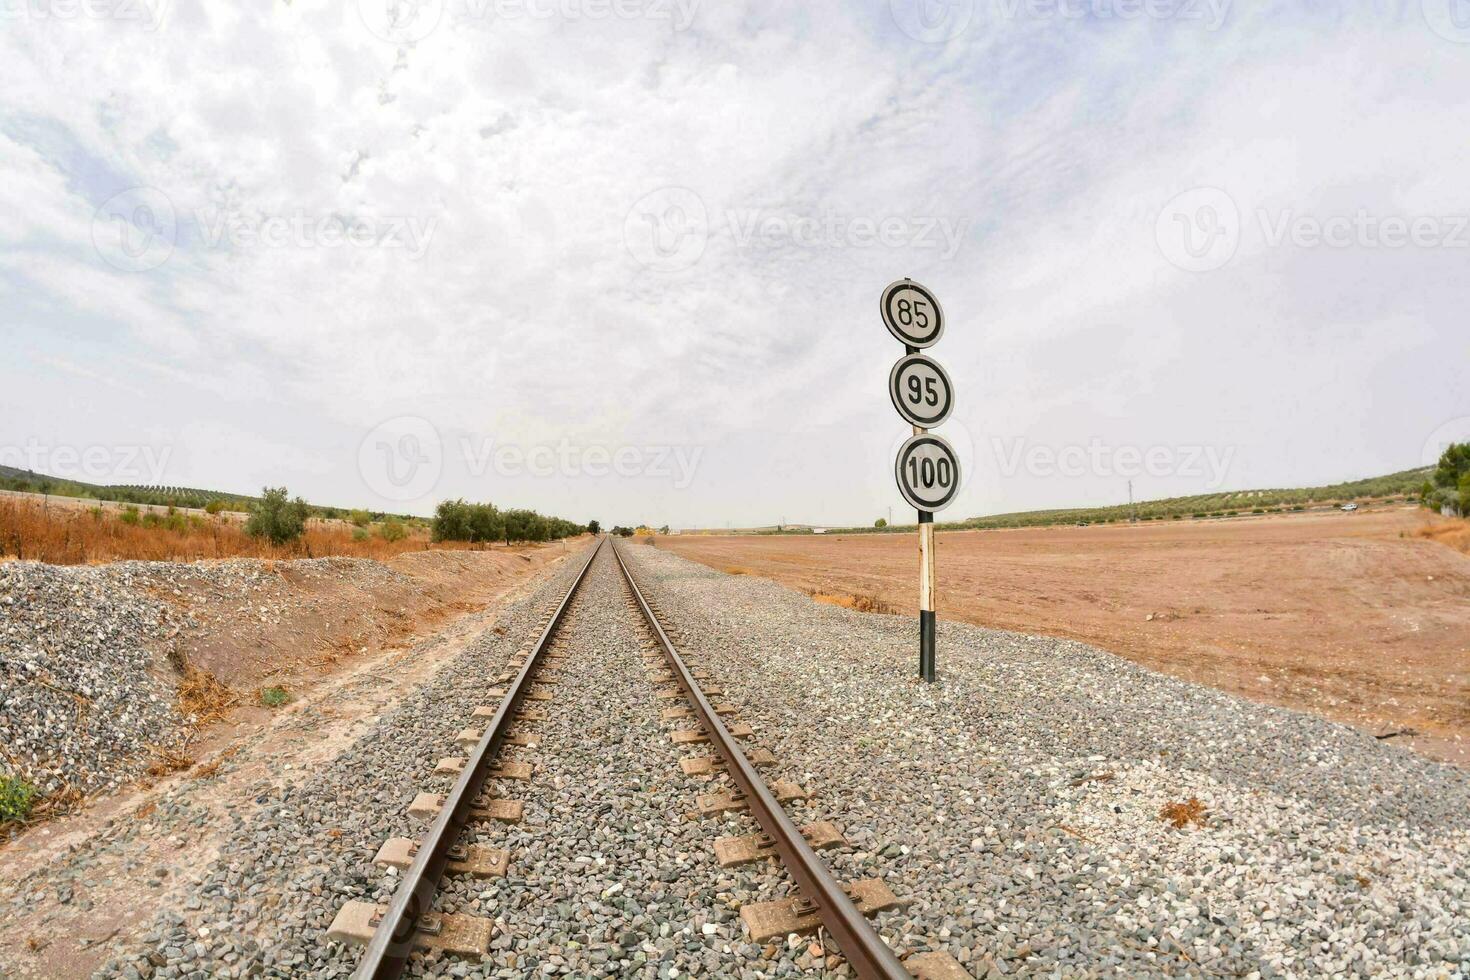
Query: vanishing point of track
{"points": [[393, 932]]}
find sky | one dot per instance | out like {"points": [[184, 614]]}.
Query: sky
{"points": [[622, 259]]}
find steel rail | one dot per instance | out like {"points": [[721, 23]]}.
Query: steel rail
{"points": [[387, 953], [860, 943]]}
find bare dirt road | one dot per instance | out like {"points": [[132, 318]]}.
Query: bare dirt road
{"points": [[1348, 615]]}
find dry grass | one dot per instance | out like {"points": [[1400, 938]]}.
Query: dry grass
{"points": [[1455, 533], [1181, 815], [65, 535], [166, 762], [203, 698], [857, 603]]}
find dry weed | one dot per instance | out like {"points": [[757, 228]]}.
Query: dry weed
{"points": [[1181, 815], [66, 534], [1455, 534], [166, 762], [202, 698], [857, 603]]}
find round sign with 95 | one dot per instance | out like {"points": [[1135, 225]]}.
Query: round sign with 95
{"points": [[921, 391]]}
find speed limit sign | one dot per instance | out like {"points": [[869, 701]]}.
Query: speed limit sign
{"points": [[928, 472], [921, 391], [912, 314]]}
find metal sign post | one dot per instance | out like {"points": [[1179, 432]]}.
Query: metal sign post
{"points": [[927, 470]]}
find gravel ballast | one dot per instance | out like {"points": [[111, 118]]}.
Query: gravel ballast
{"points": [[1015, 804], [87, 685], [1019, 798]]}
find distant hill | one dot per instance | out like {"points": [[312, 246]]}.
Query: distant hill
{"points": [[28, 481], [1404, 485]]}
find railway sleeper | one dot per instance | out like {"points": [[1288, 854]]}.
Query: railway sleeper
{"points": [[935, 966], [462, 935], [704, 765], [695, 736], [452, 765], [471, 736], [784, 916], [747, 848], [477, 860], [711, 804], [426, 807]]}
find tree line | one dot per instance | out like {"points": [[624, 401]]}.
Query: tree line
{"points": [[457, 520]]}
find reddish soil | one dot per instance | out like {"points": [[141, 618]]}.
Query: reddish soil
{"points": [[1352, 616]]}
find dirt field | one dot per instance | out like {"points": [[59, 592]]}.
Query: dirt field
{"points": [[345, 649], [1348, 615]]}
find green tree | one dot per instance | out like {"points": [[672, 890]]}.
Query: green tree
{"points": [[593, 527], [881, 522], [1454, 463], [392, 529], [277, 517]]}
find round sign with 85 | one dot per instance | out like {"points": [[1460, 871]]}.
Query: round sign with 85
{"points": [[928, 472], [912, 314], [921, 391]]}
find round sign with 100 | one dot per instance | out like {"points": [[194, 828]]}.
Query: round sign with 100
{"points": [[928, 472]]}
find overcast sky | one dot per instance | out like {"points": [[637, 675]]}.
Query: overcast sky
{"points": [[622, 258]]}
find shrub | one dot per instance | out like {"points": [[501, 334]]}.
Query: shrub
{"points": [[392, 529], [881, 522], [274, 697], [129, 515], [16, 799], [360, 534], [277, 518], [214, 507], [359, 518]]}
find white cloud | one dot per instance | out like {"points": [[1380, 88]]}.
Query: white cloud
{"points": [[516, 145]]}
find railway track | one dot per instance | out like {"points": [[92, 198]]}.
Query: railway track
{"points": [[821, 904]]}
